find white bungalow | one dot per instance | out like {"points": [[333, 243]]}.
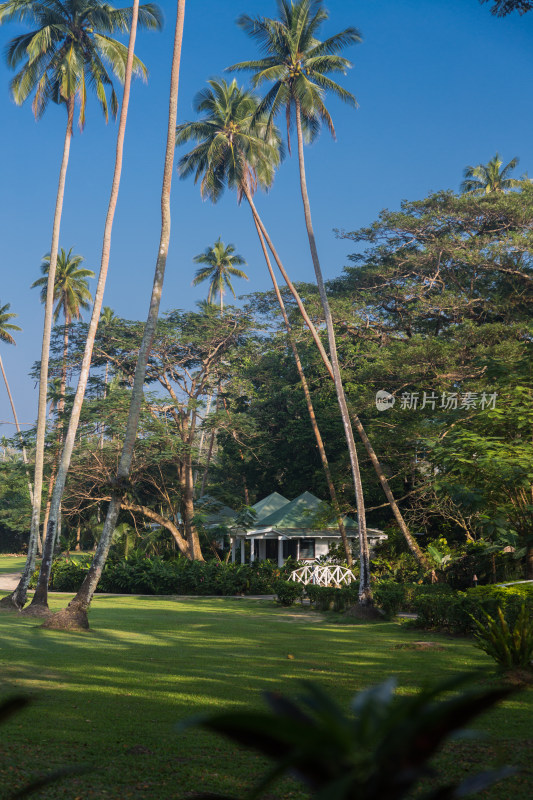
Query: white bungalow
{"points": [[284, 528]]}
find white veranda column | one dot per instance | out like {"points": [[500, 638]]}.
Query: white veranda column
{"points": [[252, 550], [233, 545], [280, 552], [243, 555]]}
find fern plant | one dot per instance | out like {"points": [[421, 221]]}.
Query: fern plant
{"points": [[509, 647]]}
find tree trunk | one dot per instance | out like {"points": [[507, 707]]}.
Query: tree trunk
{"points": [[18, 598], [309, 403], [17, 426], [105, 395], [202, 437], [365, 592], [75, 615], [187, 505], [210, 448], [40, 598]]}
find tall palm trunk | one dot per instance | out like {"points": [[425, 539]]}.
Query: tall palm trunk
{"points": [[39, 604], [75, 615], [18, 597], [365, 592], [17, 426], [309, 403], [202, 438], [412, 544]]}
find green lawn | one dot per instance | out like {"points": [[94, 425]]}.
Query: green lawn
{"points": [[111, 698], [11, 563]]}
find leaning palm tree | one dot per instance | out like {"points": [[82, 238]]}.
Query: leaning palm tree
{"points": [[236, 149], [298, 64], [39, 604], [220, 261], [72, 295], [69, 50], [6, 336], [491, 178], [75, 615]]}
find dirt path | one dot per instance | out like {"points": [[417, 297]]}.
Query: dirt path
{"points": [[9, 581]]}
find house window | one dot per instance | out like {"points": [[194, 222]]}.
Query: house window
{"points": [[289, 549], [307, 548]]}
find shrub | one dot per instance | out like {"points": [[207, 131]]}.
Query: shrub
{"points": [[329, 598], [454, 611], [509, 647], [288, 592], [390, 597]]}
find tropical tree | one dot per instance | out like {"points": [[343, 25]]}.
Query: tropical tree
{"points": [[72, 295], [236, 149], [39, 603], [298, 64], [67, 52], [75, 615], [220, 266], [489, 178], [503, 7]]}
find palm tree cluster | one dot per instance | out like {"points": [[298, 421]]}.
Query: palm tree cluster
{"points": [[237, 145]]}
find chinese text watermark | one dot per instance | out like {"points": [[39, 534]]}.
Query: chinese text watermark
{"points": [[445, 401]]}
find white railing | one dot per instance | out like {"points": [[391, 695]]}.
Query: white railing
{"points": [[323, 576]]}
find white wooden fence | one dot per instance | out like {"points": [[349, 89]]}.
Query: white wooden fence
{"points": [[323, 576]]}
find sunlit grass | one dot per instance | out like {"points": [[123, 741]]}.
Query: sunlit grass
{"points": [[111, 697]]}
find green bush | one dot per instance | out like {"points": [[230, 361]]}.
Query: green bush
{"points": [[509, 646], [454, 611], [139, 574], [328, 598], [390, 597], [288, 592]]}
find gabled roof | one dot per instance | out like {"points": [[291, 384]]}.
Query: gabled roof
{"points": [[300, 514], [269, 505]]}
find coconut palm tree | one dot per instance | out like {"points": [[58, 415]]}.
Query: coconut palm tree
{"points": [[491, 178], [75, 615], [220, 261], [236, 149], [107, 318], [39, 604], [72, 295], [70, 49], [298, 65]]}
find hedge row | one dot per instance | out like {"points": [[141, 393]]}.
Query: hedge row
{"points": [[137, 575]]}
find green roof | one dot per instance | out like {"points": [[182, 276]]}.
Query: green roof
{"points": [[300, 514], [269, 505]]}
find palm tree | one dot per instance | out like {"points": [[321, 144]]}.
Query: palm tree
{"points": [[72, 295], [236, 149], [39, 604], [491, 178], [298, 64], [67, 52], [75, 615], [220, 261]]}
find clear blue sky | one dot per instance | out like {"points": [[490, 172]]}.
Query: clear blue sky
{"points": [[440, 84]]}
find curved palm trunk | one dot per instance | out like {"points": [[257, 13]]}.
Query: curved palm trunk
{"points": [[18, 598], [365, 592], [17, 426], [309, 403], [39, 604], [412, 544], [75, 615]]}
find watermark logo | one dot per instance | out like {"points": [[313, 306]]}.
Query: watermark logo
{"points": [[446, 401], [384, 400]]}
